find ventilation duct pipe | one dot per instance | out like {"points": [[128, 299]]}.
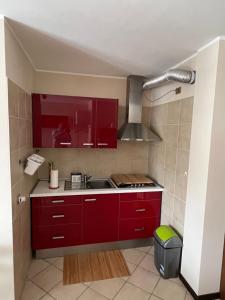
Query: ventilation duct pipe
{"points": [[179, 75]]}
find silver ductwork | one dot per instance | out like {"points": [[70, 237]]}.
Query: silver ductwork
{"points": [[133, 128], [179, 75]]}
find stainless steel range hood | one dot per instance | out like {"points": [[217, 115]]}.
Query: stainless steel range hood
{"points": [[133, 129]]}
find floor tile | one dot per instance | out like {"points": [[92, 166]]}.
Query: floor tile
{"points": [[145, 249], [154, 298], [131, 267], [168, 290], [67, 292], [151, 251], [144, 279], [52, 260], [148, 264], [131, 292], [58, 263], [108, 287], [133, 256], [90, 294], [31, 292], [37, 265], [188, 296], [48, 278], [47, 297], [177, 281]]}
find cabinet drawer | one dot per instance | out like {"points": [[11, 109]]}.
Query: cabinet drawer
{"points": [[137, 209], [53, 201], [137, 228], [56, 236], [140, 196], [60, 214]]}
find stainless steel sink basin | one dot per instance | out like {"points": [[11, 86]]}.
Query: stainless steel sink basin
{"points": [[99, 184], [90, 185]]}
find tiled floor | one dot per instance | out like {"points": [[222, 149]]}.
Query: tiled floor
{"points": [[45, 282]]}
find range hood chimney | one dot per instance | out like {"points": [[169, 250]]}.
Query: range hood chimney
{"points": [[133, 129]]}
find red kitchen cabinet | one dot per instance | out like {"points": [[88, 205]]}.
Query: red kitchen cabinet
{"points": [[106, 123], [56, 221], [64, 221], [137, 209], [137, 228], [101, 218], [63, 235], [84, 124], [74, 122], [53, 121]]}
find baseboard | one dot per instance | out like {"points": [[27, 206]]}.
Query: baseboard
{"points": [[195, 296]]}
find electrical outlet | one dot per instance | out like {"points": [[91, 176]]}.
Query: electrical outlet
{"points": [[178, 90]]}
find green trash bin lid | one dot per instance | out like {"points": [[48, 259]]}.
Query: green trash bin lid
{"points": [[167, 237], [165, 233]]}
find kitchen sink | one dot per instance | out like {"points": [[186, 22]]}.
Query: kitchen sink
{"points": [[99, 184], [89, 185]]}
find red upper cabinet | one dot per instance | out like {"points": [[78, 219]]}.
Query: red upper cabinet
{"points": [[84, 124], [75, 122], [106, 123], [53, 121]]}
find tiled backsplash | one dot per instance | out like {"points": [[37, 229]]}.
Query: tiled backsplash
{"points": [[129, 157], [20, 121], [169, 160]]}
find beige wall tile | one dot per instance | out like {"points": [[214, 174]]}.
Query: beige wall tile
{"points": [[22, 104], [186, 110], [13, 94], [181, 186], [179, 211], [21, 147], [171, 154], [171, 134], [184, 138], [169, 180], [14, 133], [182, 161], [158, 114], [169, 160], [174, 109]]}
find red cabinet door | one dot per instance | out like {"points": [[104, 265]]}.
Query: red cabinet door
{"points": [[84, 122], [100, 222], [45, 237], [140, 209], [53, 121], [106, 123], [137, 228]]}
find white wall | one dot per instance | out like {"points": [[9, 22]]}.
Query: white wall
{"points": [[6, 240], [18, 68], [204, 218]]}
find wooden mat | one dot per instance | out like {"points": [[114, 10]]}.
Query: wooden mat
{"points": [[84, 267]]}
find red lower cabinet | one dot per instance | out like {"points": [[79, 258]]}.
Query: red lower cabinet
{"points": [[74, 220], [130, 229], [101, 218], [45, 237]]}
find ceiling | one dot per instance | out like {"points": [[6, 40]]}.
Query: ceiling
{"points": [[113, 37]]}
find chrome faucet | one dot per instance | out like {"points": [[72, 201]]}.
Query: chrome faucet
{"points": [[85, 178]]}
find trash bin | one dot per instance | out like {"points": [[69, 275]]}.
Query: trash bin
{"points": [[168, 247]]}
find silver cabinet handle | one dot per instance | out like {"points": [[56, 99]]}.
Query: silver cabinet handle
{"points": [[58, 201], [59, 237], [64, 143], [140, 210], [88, 144], [139, 229], [57, 216], [103, 144], [90, 200]]}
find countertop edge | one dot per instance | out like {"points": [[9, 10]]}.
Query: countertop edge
{"points": [[59, 192]]}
